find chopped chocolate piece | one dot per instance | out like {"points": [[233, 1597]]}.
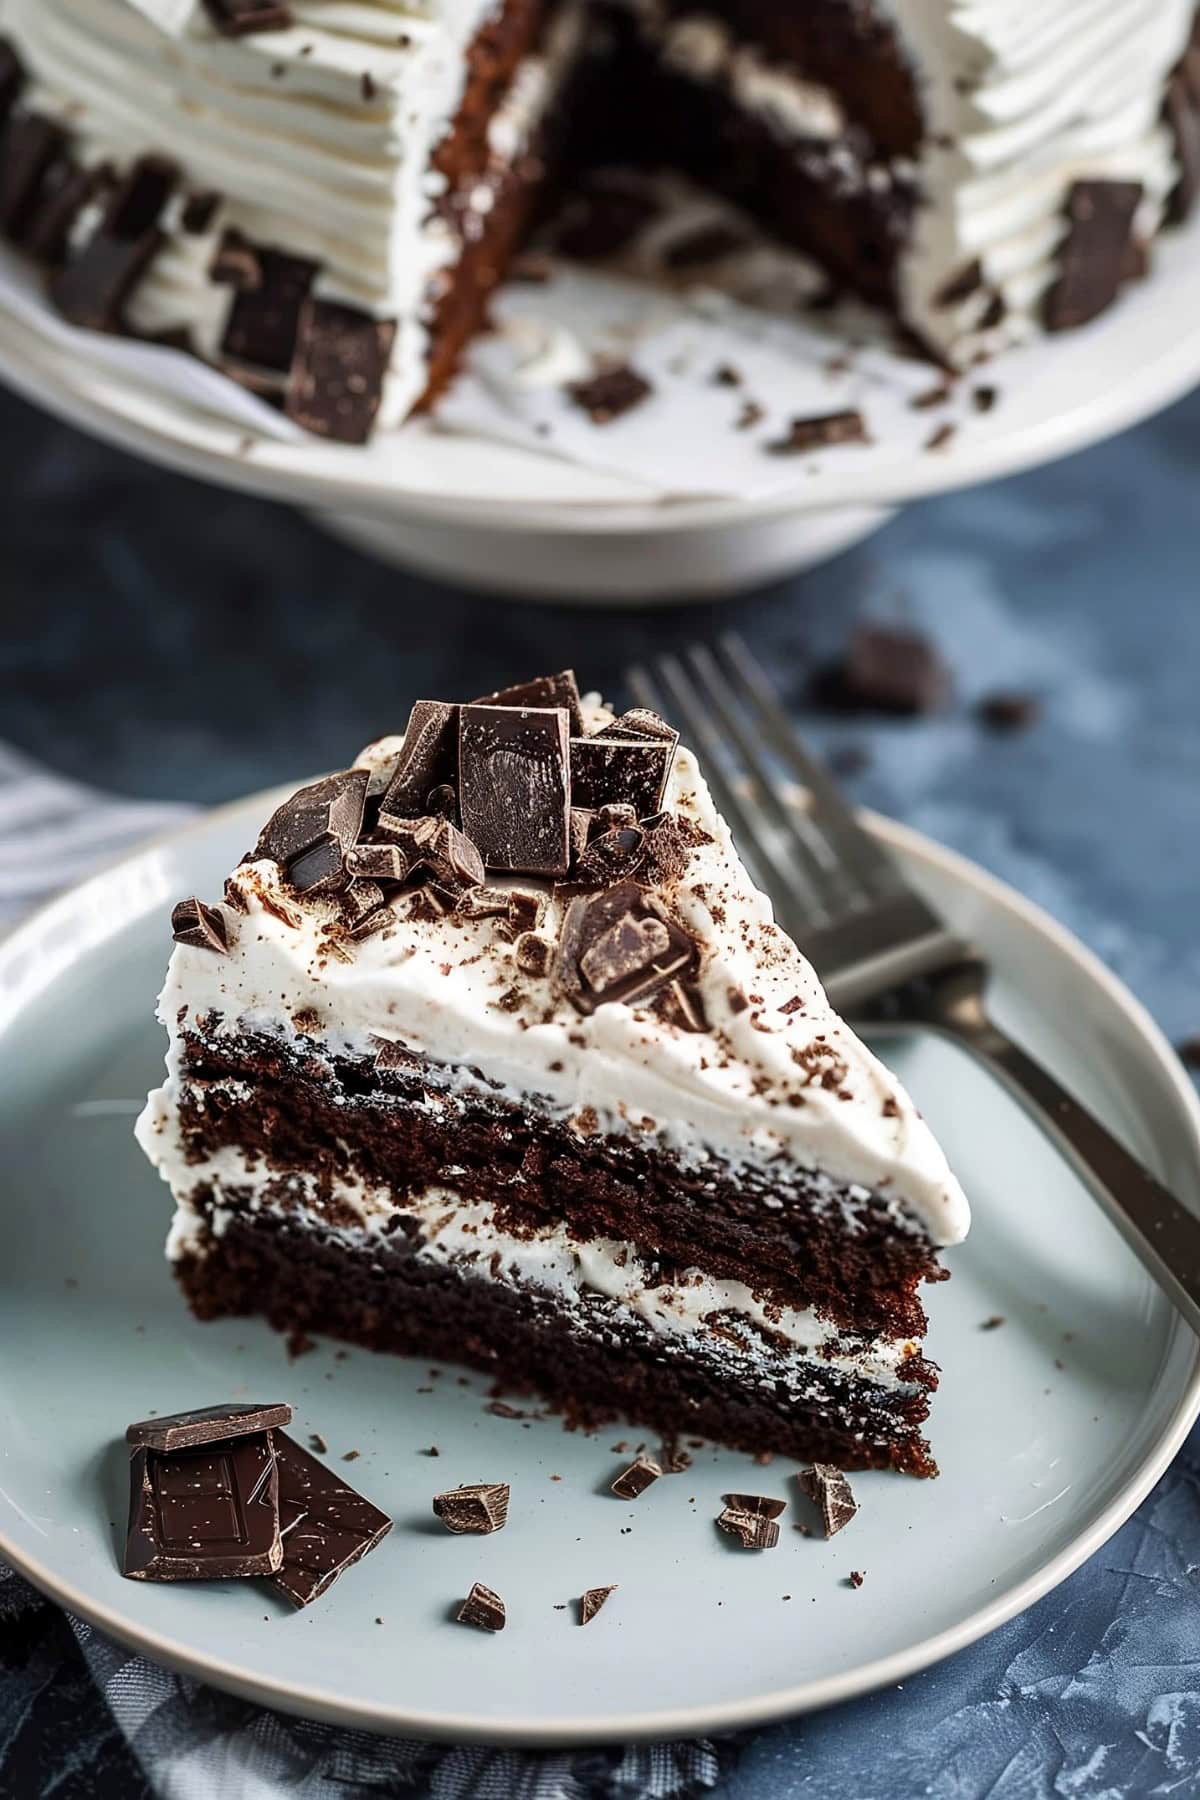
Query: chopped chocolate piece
{"points": [[580, 830], [92, 288], [207, 1512], [611, 856], [428, 760], [607, 396], [934, 396], [1100, 219], [619, 945], [751, 414], [704, 244], [640, 724], [667, 852], [66, 188], [326, 1525], [617, 817], [630, 772], [205, 1425], [633, 1481], [829, 1490], [886, 669], [820, 431], [532, 954], [453, 856], [482, 1608], [237, 17], [203, 927], [485, 903], [480, 1509], [856, 1578], [544, 690], [753, 1530], [525, 911], [369, 923], [199, 211], [338, 371], [416, 838], [960, 286], [1188, 1051], [983, 399], [937, 440], [763, 1504], [378, 862], [515, 786], [1006, 710], [326, 812], [30, 144], [264, 319], [993, 1323], [321, 869], [591, 1602]]}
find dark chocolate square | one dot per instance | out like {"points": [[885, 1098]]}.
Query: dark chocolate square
{"points": [[326, 1525], [340, 364], [515, 786], [204, 1513]]}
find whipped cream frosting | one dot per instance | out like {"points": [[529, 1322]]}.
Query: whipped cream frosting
{"points": [[780, 1076]]}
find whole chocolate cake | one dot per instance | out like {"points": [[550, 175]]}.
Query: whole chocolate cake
{"points": [[492, 1052], [319, 195]]}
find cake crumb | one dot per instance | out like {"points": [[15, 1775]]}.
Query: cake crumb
{"points": [[318, 1443]]}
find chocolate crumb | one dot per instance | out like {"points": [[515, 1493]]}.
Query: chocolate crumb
{"points": [[483, 1608], [318, 1443], [993, 1323], [820, 432], [983, 399], [478, 1510], [431, 1451], [352, 1456], [1008, 711], [610, 394], [634, 1480], [591, 1602], [856, 1578], [941, 437]]}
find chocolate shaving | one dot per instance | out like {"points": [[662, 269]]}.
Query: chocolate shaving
{"points": [[591, 1602], [429, 759], [820, 432], [478, 1510], [633, 1481], [829, 1490], [202, 927], [544, 690], [514, 786], [483, 1608], [612, 393]]}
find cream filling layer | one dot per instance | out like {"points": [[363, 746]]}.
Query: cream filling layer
{"points": [[463, 1236]]}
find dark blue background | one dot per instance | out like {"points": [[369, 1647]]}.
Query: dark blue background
{"points": [[173, 640]]}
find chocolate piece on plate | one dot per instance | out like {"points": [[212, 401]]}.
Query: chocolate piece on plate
{"points": [[264, 319], [515, 787], [1093, 259], [483, 1608], [1008, 710], [428, 760], [544, 690], [327, 1526], [338, 370], [754, 1528], [206, 1425], [237, 17], [632, 772], [92, 287], [201, 926], [619, 945], [208, 1512], [31, 144], [887, 669], [829, 1490], [821, 432], [591, 1602], [316, 828], [611, 394], [634, 1480], [480, 1509], [764, 1506]]}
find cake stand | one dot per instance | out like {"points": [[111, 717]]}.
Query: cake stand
{"points": [[516, 521]]}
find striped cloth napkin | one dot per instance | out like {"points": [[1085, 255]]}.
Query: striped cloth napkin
{"points": [[190, 1741]]}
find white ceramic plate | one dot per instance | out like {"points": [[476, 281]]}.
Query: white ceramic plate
{"points": [[1049, 1429]]}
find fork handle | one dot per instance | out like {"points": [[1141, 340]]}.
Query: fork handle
{"points": [[1156, 1226]]}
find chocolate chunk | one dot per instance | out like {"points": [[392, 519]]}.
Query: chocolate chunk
{"points": [[610, 771], [485, 903], [1100, 219], [454, 857], [204, 1513], [634, 1480], [271, 290], [886, 669], [326, 1525], [544, 690], [321, 869], [66, 188], [1006, 710], [829, 1490], [378, 862], [206, 1425], [820, 431], [200, 926], [414, 837], [856, 1578], [428, 760], [944, 434], [618, 816], [94, 285], [338, 370], [533, 955], [681, 1004], [514, 786], [667, 851], [610, 857], [580, 830], [607, 396], [480, 1509], [640, 725], [199, 211], [29, 145], [316, 828], [483, 1608], [620, 945], [525, 911], [751, 1518], [959, 286], [361, 900], [591, 1602], [237, 17]]}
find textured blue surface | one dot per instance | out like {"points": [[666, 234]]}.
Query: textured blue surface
{"points": [[172, 640]]}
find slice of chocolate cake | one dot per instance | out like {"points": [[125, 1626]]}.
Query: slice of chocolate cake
{"points": [[492, 1052]]}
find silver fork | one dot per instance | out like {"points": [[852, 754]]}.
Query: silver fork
{"points": [[884, 955]]}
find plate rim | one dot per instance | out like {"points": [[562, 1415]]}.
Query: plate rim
{"points": [[1143, 385], [713, 1717]]}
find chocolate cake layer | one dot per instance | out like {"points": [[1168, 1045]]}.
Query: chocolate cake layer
{"points": [[379, 1294], [778, 1228]]}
